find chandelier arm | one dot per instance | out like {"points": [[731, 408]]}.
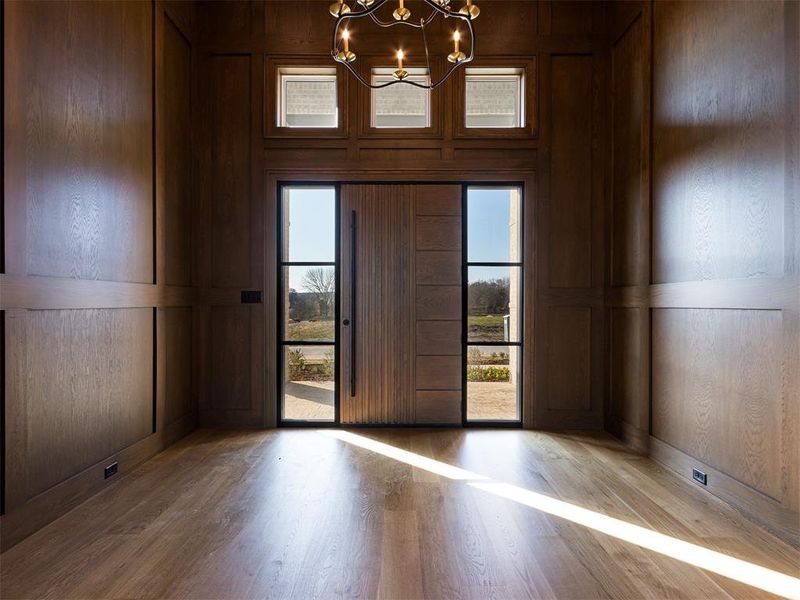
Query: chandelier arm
{"points": [[437, 9], [423, 22]]}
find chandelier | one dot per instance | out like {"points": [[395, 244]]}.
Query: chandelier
{"points": [[342, 43]]}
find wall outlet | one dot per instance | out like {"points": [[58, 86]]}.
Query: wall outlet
{"points": [[699, 476], [110, 470]]}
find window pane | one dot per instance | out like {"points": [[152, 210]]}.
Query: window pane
{"points": [[494, 98], [309, 224], [307, 97], [493, 383], [309, 303], [308, 383], [493, 304], [400, 105], [493, 224]]}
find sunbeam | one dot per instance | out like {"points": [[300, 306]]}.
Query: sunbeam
{"points": [[698, 556]]}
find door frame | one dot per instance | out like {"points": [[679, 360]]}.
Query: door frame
{"points": [[276, 180]]}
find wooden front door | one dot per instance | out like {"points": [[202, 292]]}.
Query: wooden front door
{"points": [[401, 285]]}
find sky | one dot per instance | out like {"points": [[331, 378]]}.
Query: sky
{"points": [[312, 225]]}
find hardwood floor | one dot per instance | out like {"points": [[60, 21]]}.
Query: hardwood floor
{"points": [[313, 514]]}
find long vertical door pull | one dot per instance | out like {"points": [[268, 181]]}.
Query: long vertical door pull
{"points": [[353, 231]]}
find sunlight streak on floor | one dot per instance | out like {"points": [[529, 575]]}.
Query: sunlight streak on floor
{"points": [[710, 560]]}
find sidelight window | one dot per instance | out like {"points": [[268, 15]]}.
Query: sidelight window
{"points": [[308, 279], [493, 320]]}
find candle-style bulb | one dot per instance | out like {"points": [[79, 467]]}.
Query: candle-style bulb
{"points": [[400, 72], [456, 56], [345, 55]]}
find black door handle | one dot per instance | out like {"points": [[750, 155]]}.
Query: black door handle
{"points": [[353, 225]]}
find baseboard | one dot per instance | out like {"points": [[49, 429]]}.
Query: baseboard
{"points": [[51, 504], [758, 507], [635, 439]]}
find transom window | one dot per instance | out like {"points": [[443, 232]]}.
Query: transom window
{"points": [[400, 106], [495, 97], [307, 97]]}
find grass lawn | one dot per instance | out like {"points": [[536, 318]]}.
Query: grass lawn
{"points": [[309, 330], [487, 328], [486, 321]]}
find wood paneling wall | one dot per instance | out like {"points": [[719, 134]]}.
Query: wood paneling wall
{"points": [[95, 288], [705, 248], [559, 158]]}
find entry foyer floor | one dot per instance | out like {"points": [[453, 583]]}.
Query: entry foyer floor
{"points": [[399, 514]]}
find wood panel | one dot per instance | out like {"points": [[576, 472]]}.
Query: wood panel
{"points": [[230, 358], [78, 140], [438, 407], [438, 268], [82, 386], [627, 357], [385, 286], [438, 372], [717, 390], [569, 385], [438, 233], [724, 295], [177, 135], [718, 146], [438, 337], [179, 400], [570, 210], [230, 129], [629, 266], [439, 302], [93, 187]]}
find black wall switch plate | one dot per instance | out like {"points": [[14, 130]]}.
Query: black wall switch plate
{"points": [[699, 476], [252, 297], [110, 470]]}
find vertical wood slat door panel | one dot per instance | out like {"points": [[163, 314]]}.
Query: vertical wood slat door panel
{"points": [[385, 304]]}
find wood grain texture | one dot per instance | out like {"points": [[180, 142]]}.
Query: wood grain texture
{"points": [[90, 183], [177, 135], [438, 373], [384, 528], [629, 266], [718, 147], [78, 138], [230, 358], [725, 295], [230, 128], [86, 387], [569, 359], [179, 401], [438, 200], [385, 317], [438, 337], [439, 233], [570, 210], [717, 390], [438, 407], [438, 268], [439, 302], [626, 400]]}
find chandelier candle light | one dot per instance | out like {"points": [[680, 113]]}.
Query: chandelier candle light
{"points": [[401, 15]]}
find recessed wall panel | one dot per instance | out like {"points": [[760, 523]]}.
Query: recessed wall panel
{"points": [[717, 379], [87, 388]]}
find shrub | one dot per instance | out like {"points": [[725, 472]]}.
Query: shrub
{"points": [[297, 364], [327, 364], [476, 373]]}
